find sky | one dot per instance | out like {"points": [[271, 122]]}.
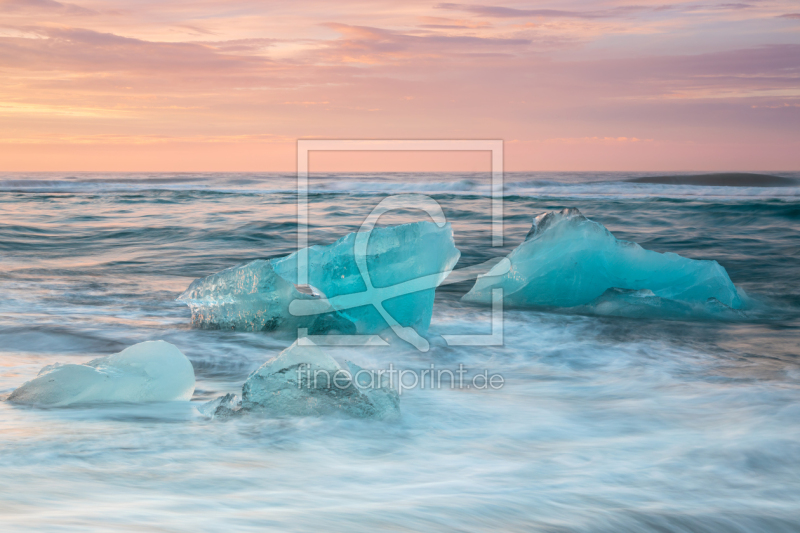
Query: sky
{"points": [[216, 85]]}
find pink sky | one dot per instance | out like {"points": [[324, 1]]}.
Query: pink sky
{"points": [[215, 85]]}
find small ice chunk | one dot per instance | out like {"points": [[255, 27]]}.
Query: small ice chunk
{"points": [[568, 260], [153, 371], [305, 381], [256, 296], [222, 407]]}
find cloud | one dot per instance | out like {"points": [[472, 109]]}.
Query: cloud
{"points": [[122, 139], [249, 46], [585, 76], [621, 11], [377, 35], [596, 140], [85, 50], [777, 64], [449, 23], [363, 44], [508, 12], [43, 6], [733, 6], [196, 29]]}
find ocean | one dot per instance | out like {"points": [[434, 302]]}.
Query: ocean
{"points": [[603, 424]]}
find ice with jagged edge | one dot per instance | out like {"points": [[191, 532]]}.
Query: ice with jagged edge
{"points": [[568, 260], [153, 371], [222, 407], [256, 296], [303, 380]]}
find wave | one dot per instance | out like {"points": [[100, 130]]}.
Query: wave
{"points": [[730, 186]]}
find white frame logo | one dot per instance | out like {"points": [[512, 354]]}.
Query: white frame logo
{"points": [[373, 296]]}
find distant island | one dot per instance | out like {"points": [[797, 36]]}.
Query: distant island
{"points": [[727, 179]]}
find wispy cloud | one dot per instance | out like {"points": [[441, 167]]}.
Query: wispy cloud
{"points": [[509, 12], [372, 43], [597, 75], [77, 49], [43, 7]]}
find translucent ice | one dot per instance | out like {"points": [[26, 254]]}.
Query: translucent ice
{"points": [[377, 390], [568, 260], [304, 381], [256, 296], [222, 407], [253, 297], [153, 371]]}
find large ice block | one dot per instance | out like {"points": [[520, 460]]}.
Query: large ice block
{"points": [[153, 371], [305, 381], [568, 260], [256, 296]]}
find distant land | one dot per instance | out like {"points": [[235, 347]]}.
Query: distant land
{"points": [[727, 179]]}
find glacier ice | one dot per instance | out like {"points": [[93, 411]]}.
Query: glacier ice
{"points": [[568, 260], [377, 389], [253, 297], [222, 407], [153, 371], [305, 381], [256, 296]]}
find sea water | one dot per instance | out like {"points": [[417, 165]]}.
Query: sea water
{"points": [[601, 423]]}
